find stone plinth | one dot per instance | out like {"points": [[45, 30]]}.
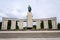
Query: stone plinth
{"points": [[29, 19]]}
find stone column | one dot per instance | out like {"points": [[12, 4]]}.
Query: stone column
{"points": [[13, 24], [20, 24], [46, 24], [4, 25], [54, 24], [38, 24]]}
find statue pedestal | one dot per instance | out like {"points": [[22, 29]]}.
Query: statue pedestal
{"points": [[29, 20]]}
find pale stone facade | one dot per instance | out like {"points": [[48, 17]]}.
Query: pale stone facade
{"points": [[29, 21]]}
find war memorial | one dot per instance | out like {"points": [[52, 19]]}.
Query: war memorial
{"points": [[29, 31]]}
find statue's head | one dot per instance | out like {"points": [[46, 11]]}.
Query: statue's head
{"points": [[29, 8]]}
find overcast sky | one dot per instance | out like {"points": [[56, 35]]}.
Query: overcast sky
{"points": [[40, 8]]}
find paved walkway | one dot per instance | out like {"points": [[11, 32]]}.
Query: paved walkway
{"points": [[29, 34]]}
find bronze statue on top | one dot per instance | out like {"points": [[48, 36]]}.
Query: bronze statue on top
{"points": [[29, 8]]}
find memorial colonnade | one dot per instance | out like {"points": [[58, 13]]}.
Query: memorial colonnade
{"points": [[38, 21]]}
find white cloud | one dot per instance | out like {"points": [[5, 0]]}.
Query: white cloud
{"points": [[3, 15], [40, 8]]}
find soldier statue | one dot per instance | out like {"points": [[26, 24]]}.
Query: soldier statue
{"points": [[29, 8]]}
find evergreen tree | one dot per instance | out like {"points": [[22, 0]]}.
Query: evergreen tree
{"points": [[34, 26], [17, 27], [42, 25], [58, 25], [9, 25], [49, 24], [0, 25]]}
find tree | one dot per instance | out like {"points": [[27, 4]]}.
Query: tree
{"points": [[34, 26], [0, 25], [58, 25], [42, 25], [50, 24], [9, 25], [17, 25]]}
